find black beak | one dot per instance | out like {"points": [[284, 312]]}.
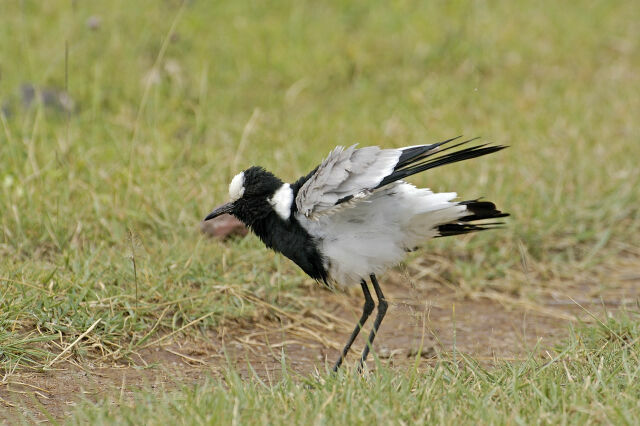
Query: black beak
{"points": [[225, 208]]}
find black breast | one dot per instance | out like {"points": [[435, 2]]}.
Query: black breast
{"points": [[292, 240]]}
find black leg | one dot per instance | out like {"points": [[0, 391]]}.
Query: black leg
{"points": [[366, 311], [382, 309]]}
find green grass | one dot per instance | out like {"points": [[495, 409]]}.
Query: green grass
{"points": [[591, 379], [170, 101]]}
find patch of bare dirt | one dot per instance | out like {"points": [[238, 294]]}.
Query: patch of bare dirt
{"points": [[424, 318]]}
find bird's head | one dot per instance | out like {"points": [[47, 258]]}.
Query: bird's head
{"points": [[251, 193]]}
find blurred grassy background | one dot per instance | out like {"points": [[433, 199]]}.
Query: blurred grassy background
{"points": [[166, 101]]}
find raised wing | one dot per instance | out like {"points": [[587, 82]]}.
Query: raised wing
{"points": [[348, 174]]}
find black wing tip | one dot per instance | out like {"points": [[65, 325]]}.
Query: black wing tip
{"points": [[420, 158], [415, 153], [486, 145], [466, 141]]}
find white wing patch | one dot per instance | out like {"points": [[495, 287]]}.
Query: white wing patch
{"points": [[282, 200], [236, 187]]}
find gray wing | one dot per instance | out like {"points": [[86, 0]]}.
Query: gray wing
{"points": [[352, 174], [345, 174]]}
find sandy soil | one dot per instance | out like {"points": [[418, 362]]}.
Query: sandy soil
{"points": [[426, 318]]}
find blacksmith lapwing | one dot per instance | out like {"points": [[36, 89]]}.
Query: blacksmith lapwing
{"points": [[353, 216]]}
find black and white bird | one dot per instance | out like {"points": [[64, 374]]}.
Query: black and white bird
{"points": [[354, 216]]}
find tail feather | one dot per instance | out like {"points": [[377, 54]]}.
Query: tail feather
{"points": [[465, 228], [417, 159], [480, 210]]}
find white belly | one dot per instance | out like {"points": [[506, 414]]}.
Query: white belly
{"points": [[375, 232]]}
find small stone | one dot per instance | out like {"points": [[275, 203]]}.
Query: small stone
{"points": [[94, 22], [28, 94], [384, 353], [424, 352]]}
